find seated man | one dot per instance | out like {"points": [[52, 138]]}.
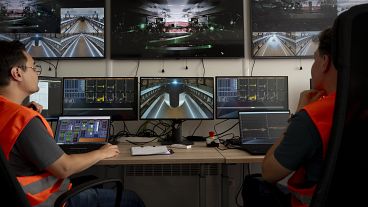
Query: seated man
{"points": [[26, 139], [303, 147]]}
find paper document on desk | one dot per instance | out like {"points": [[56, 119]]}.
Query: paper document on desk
{"points": [[151, 150]]}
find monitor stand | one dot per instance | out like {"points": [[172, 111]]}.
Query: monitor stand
{"points": [[176, 137]]}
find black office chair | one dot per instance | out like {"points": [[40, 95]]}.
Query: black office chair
{"points": [[13, 194], [344, 176]]}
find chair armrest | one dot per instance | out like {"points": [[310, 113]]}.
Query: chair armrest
{"points": [[61, 200]]}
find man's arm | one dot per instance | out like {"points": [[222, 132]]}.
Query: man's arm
{"points": [[272, 170], [68, 165]]}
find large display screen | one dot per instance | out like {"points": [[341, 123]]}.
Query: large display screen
{"points": [[176, 98], [250, 93], [150, 29], [290, 28], [106, 96], [59, 29]]}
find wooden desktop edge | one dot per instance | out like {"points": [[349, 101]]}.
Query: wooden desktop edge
{"points": [[198, 154]]}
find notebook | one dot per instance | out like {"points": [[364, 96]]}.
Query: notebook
{"points": [[80, 134], [259, 130]]}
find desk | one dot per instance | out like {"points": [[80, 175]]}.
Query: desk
{"points": [[198, 154], [234, 156]]}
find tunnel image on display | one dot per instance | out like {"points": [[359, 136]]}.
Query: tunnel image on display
{"points": [[176, 98]]}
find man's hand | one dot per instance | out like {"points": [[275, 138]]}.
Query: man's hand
{"points": [[35, 106], [309, 96], [109, 150]]}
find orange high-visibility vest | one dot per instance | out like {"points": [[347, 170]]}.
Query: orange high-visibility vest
{"points": [[321, 113], [41, 189]]}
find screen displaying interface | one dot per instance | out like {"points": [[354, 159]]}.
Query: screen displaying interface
{"points": [[172, 29], [55, 29], [82, 129], [250, 93], [263, 125], [291, 28], [50, 96], [176, 98], [116, 97]]}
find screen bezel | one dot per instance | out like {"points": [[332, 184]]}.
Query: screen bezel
{"points": [[151, 77], [136, 101], [271, 57], [243, 110], [103, 5], [141, 56]]}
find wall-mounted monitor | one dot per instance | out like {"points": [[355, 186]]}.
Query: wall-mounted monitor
{"points": [[49, 95], [176, 98], [250, 93], [60, 29], [150, 29], [282, 29], [102, 96]]}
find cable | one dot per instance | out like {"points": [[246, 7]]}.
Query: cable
{"points": [[197, 127], [136, 71], [300, 64], [254, 62], [186, 64], [204, 68], [214, 127]]}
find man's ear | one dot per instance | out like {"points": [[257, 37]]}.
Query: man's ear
{"points": [[16, 74]]}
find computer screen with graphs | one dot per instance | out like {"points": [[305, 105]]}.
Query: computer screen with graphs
{"points": [[50, 96], [101, 96], [178, 98], [250, 93]]}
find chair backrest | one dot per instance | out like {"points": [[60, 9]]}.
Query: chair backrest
{"points": [[345, 171], [11, 191]]}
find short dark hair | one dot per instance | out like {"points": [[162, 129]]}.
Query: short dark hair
{"points": [[325, 42], [11, 54]]}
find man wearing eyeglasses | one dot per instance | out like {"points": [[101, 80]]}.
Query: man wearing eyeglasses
{"points": [[42, 168]]}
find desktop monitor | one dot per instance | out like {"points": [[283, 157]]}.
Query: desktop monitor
{"points": [[50, 96], [250, 93], [103, 96], [176, 99]]}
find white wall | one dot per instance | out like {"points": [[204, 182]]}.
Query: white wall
{"points": [[298, 79]]}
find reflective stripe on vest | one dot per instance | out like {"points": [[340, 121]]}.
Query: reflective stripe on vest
{"points": [[39, 188]]}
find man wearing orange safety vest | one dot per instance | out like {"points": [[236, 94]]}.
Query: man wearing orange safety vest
{"points": [[302, 150], [41, 167]]}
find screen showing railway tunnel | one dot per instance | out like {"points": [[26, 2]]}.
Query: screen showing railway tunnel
{"points": [[176, 98], [250, 93], [106, 96], [290, 28], [60, 29], [152, 29]]}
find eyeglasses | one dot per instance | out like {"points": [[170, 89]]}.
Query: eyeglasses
{"points": [[36, 68]]}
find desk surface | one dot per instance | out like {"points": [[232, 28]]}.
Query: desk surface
{"points": [[199, 153], [239, 156]]}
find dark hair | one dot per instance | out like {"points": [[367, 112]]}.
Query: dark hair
{"points": [[11, 54], [325, 42]]}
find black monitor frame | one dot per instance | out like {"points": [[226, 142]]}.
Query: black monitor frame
{"points": [[106, 111], [149, 30], [173, 118], [52, 96], [176, 123], [58, 36], [250, 107]]}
